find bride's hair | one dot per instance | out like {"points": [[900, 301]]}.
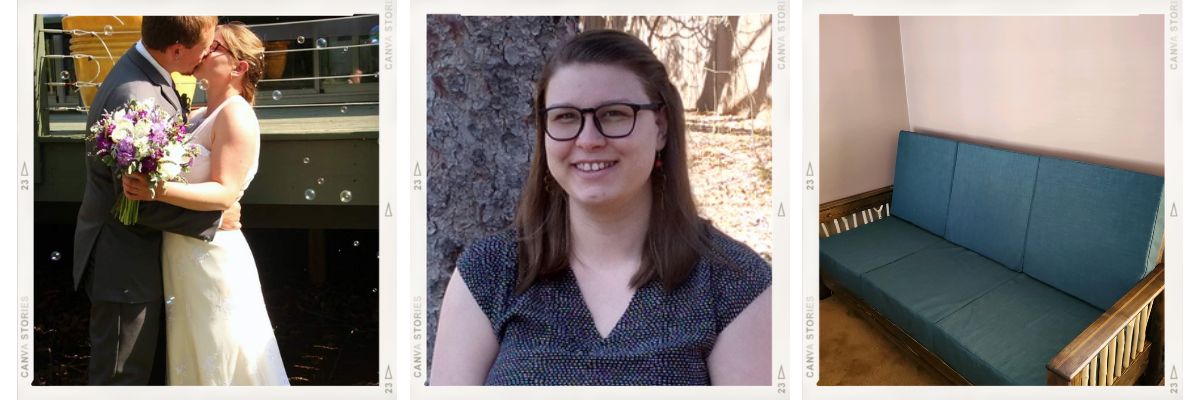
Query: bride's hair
{"points": [[245, 46]]}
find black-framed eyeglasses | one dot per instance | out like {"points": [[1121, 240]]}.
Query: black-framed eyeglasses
{"points": [[216, 45], [615, 120]]}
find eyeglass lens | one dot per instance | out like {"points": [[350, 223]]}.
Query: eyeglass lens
{"points": [[615, 120]]}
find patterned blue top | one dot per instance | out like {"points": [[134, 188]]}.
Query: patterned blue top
{"points": [[547, 336]]}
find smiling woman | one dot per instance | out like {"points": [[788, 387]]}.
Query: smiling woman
{"points": [[584, 289]]}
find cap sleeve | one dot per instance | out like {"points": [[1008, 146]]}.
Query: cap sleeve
{"points": [[736, 286], [489, 269]]}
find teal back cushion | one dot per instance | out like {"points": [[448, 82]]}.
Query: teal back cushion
{"points": [[989, 202], [1094, 231], [924, 170]]}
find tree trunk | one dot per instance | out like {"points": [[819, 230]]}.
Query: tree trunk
{"points": [[481, 77], [720, 65]]}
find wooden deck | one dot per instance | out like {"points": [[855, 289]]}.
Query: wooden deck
{"points": [[275, 123]]}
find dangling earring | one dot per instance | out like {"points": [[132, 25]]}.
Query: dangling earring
{"points": [[658, 159]]}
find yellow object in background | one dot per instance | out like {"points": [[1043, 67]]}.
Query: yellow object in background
{"points": [[103, 40]]}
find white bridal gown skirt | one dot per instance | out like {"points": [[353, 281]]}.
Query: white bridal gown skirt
{"points": [[218, 331]]}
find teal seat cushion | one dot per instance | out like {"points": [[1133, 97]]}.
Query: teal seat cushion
{"points": [[1094, 231], [848, 255], [989, 202], [1007, 336], [924, 170], [919, 290]]}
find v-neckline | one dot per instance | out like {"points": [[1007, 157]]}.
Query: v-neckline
{"points": [[587, 311]]}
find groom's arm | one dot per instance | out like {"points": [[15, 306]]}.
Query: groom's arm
{"points": [[202, 225]]}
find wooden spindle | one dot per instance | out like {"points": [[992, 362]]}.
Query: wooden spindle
{"points": [[1118, 355], [1129, 339], [1092, 371], [1145, 322], [1102, 380]]}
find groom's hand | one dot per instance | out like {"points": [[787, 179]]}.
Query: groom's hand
{"points": [[232, 219]]}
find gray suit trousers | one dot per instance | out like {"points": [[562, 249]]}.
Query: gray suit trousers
{"points": [[124, 338]]}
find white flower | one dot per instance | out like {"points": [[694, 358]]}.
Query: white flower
{"points": [[141, 129], [169, 171], [123, 128], [174, 152], [142, 144]]}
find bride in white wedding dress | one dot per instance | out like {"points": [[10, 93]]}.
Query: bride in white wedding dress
{"points": [[218, 330]]}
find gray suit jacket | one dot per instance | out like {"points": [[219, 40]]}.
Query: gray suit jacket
{"points": [[128, 259]]}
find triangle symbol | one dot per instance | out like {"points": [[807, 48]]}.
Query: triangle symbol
{"points": [[1173, 213], [388, 211], [388, 375], [1173, 376], [810, 172], [781, 372], [24, 170], [417, 171], [781, 213]]}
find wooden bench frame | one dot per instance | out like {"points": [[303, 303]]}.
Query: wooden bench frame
{"points": [[1137, 318]]}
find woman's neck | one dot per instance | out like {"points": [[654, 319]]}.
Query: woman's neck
{"points": [[610, 236], [218, 96]]}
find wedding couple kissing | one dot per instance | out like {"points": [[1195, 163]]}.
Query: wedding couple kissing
{"points": [[186, 253]]}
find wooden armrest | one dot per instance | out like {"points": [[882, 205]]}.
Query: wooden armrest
{"points": [[851, 207], [1067, 365]]}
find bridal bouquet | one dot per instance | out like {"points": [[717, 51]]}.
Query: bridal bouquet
{"points": [[142, 137]]}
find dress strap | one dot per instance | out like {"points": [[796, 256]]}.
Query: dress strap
{"points": [[208, 115]]}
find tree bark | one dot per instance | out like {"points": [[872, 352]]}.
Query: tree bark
{"points": [[720, 65], [481, 74]]}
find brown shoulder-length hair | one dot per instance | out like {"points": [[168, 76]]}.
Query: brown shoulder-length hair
{"points": [[676, 237], [245, 46], [160, 32]]}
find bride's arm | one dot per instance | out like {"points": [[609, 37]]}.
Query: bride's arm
{"points": [[235, 144]]}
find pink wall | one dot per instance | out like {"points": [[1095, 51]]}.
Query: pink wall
{"points": [[863, 103], [1082, 88]]}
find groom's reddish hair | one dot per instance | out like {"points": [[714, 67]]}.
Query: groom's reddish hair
{"points": [[160, 32]]}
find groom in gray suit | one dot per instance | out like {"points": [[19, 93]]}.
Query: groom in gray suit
{"points": [[120, 266]]}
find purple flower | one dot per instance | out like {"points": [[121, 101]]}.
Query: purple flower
{"points": [[125, 152], [103, 143], [149, 165]]}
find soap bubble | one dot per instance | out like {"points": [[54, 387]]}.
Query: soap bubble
{"points": [[300, 40], [344, 108], [310, 194], [108, 30], [202, 84], [374, 290], [306, 160], [346, 196], [276, 95], [375, 35], [321, 43], [355, 243], [170, 300], [55, 256], [320, 181], [64, 76]]}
